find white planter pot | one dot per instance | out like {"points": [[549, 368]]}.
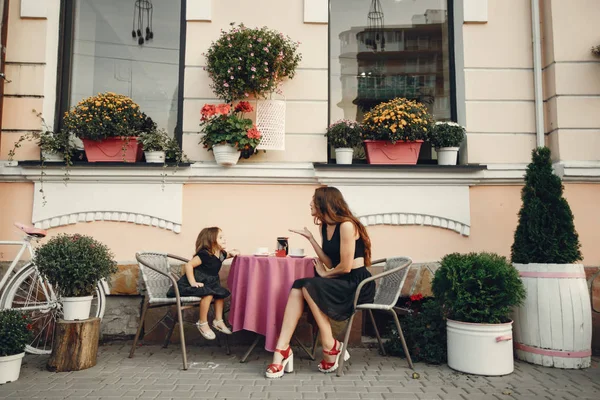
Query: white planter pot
{"points": [[52, 156], [155, 156], [447, 155], [553, 327], [344, 155], [10, 368], [76, 308], [226, 154], [481, 349]]}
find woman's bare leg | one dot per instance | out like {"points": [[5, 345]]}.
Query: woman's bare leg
{"points": [[322, 320], [291, 316]]}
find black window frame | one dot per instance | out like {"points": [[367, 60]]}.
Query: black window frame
{"points": [[451, 59], [65, 63]]}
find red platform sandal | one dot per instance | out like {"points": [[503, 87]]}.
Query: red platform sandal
{"points": [[327, 367], [287, 364]]}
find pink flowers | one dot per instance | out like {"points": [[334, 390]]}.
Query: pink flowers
{"points": [[254, 133]]}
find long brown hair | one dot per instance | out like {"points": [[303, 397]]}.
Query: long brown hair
{"points": [[330, 206], [207, 239]]}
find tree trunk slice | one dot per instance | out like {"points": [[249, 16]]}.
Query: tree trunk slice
{"points": [[75, 345]]}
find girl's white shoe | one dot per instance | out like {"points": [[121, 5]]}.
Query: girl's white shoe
{"points": [[222, 327], [210, 335]]}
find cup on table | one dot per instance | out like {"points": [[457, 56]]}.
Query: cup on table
{"points": [[296, 252], [261, 251]]}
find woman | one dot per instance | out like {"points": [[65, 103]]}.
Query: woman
{"points": [[341, 266]]}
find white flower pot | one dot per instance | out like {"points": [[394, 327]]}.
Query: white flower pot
{"points": [[50, 156], [155, 156], [343, 155], [447, 155], [10, 367], [481, 349], [226, 154], [76, 308]]}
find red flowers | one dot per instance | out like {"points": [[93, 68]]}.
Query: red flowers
{"points": [[243, 106], [416, 297], [208, 111], [223, 108], [29, 327], [254, 133]]}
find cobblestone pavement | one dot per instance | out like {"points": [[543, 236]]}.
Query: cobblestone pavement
{"points": [[156, 373]]}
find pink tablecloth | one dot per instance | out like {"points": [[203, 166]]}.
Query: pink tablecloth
{"points": [[259, 290]]}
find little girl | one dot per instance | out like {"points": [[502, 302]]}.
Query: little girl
{"points": [[201, 279]]}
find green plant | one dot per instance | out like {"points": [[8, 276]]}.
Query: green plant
{"points": [[15, 332], [398, 119], [545, 232], [74, 264], [447, 134], [250, 61], [344, 133], [106, 115], [424, 331], [155, 140], [478, 287], [47, 140], [596, 50], [224, 124]]}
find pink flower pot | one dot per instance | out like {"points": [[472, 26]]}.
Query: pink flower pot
{"points": [[384, 152], [114, 149]]}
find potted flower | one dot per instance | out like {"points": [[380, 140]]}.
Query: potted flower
{"points": [[395, 130], [446, 138], [254, 62], [15, 334], [545, 252], [73, 265], [155, 144], [228, 133], [344, 135], [478, 292], [109, 125]]}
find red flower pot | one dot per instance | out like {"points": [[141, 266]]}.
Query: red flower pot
{"points": [[384, 152], [114, 149]]}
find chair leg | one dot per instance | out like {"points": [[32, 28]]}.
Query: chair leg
{"points": [[170, 332], [401, 335], [140, 327], [182, 336], [315, 338], [345, 346], [377, 333]]}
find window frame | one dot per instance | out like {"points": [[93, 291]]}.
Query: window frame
{"points": [[450, 4], [65, 64]]}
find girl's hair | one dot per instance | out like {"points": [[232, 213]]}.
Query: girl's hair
{"points": [[207, 239], [331, 207]]}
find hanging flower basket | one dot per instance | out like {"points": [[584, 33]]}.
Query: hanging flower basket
{"points": [[270, 121]]}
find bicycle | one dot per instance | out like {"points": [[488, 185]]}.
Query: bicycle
{"points": [[26, 290]]}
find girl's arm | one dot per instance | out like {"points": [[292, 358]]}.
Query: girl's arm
{"points": [[232, 253], [189, 271], [347, 247], [311, 239]]}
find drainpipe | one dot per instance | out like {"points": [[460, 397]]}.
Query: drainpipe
{"points": [[3, 36], [537, 73]]}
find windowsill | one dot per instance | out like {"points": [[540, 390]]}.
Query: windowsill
{"points": [[85, 164], [416, 167]]}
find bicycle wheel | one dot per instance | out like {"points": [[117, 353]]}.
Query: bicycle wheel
{"points": [[29, 293]]}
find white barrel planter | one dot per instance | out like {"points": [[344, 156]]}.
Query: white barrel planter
{"points": [[10, 367], [76, 308], [270, 121], [50, 156], [481, 349], [226, 154], [447, 155], [155, 157], [553, 327], [343, 155]]}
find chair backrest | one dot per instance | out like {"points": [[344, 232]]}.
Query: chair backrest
{"points": [[155, 269], [390, 286]]}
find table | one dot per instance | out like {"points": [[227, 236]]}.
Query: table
{"points": [[259, 291]]}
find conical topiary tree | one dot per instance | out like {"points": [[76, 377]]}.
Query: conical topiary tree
{"points": [[545, 233]]}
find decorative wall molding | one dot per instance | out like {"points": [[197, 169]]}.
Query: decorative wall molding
{"points": [[34, 8], [198, 10], [578, 171], [411, 205], [136, 203], [475, 11], [316, 11]]}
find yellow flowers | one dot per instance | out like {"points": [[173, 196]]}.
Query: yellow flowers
{"points": [[397, 119]]}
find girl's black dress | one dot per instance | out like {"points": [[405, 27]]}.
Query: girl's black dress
{"points": [[335, 296], [207, 273]]}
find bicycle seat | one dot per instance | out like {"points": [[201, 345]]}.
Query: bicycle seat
{"points": [[31, 230]]}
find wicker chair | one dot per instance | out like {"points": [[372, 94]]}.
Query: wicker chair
{"points": [[158, 279], [387, 294]]}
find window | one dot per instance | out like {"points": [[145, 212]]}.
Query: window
{"points": [[99, 54], [404, 51]]}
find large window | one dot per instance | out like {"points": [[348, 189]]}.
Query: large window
{"points": [[100, 54], [384, 49]]}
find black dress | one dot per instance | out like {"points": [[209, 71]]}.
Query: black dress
{"points": [[207, 273], [335, 296]]}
